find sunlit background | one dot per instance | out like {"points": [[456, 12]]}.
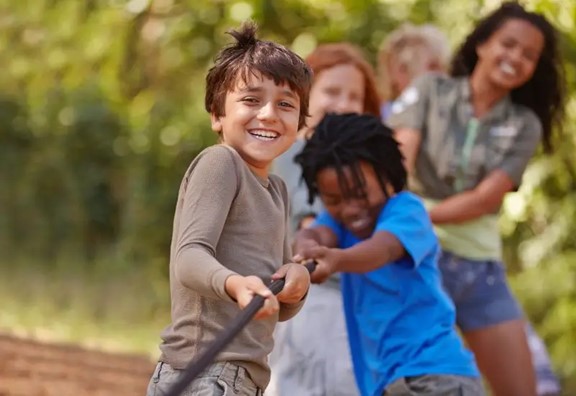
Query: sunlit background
{"points": [[101, 111]]}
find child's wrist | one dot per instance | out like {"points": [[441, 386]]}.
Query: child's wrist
{"points": [[230, 286], [338, 257]]}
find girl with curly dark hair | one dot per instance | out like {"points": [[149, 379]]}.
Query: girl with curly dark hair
{"points": [[467, 140]]}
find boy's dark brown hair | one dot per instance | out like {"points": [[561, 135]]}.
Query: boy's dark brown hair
{"points": [[249, 55]]}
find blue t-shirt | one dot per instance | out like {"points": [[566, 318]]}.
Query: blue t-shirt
{"points": [[400, 322]]}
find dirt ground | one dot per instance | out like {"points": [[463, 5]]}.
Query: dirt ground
{"points": [[31, 368]]}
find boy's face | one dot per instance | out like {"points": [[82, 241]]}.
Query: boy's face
{"points": [[357, 213], [260, 121]]}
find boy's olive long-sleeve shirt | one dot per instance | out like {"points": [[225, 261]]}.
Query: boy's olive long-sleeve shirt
{"points": [[228, 221]]}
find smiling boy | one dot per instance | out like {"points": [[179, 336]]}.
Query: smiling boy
{"points": [[400, 322], [230, 227]]}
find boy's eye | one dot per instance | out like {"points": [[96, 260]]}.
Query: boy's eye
{"points": [[287, 104], [249, 99]]}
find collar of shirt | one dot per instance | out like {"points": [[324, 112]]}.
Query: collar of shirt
{"points": [[466, 112]]}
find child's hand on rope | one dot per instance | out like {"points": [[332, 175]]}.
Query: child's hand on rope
{"points": [[297, 282], [243, 288], [326, 258]]}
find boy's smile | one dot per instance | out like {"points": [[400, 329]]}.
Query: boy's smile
{"points": [[260, 120], [357, 209]]}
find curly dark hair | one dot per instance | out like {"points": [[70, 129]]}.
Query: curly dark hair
{"points": [[249, 55], [343, 140], [545, 92]]}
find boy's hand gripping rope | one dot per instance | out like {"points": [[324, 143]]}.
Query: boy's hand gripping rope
{"points": [[194, 368]]}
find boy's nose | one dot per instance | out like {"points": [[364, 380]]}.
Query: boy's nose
{"points": [[351, 209], [267, 112]]}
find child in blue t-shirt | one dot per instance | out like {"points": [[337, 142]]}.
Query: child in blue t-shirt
{"points": [[400, 321]]}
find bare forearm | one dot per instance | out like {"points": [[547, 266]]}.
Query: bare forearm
{"points": [[303, 237], [460, 208], [486, 198], [380, 249], [320, 235], [457, 209]]}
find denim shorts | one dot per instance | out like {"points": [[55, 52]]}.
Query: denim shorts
{"points": [[219, 379], [437, 385], [479, 290]]}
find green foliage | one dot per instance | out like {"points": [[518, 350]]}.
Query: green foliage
{"points": [[102, 111]]}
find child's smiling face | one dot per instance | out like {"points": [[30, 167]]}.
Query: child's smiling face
{"points": [[338, 89], [260, 120], [509, 57], [358, 207]]}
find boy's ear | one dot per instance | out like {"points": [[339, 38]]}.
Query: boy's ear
{"points": [[216, 123]]}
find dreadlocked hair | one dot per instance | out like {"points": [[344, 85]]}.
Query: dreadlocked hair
{"points": [[344, 140]]}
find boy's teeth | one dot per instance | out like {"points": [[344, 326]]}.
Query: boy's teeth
{"points": [[359, 223], [264, 134]]}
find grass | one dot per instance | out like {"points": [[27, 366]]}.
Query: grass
{"points": [[116, 310]]}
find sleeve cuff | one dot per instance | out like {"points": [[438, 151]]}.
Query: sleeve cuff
{"points": [[219, 281]]}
